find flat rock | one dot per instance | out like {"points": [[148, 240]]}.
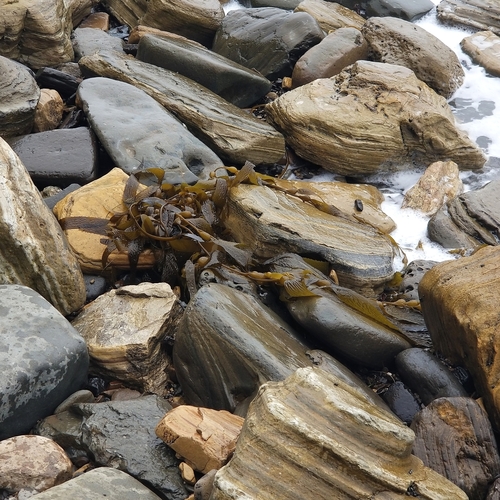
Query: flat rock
{"points": [[43, 359], [395, 41], [96, 20], [408, 11], [86, 41], [325, 122], [331, 15], [153, 138], [34, 251], [231, 133], [478, 14], [484, 49], [314, 421]]}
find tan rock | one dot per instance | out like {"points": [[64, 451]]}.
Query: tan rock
{"points": [[205, 438], [32, 464], [313, 436], [484, 49], [124, 330], [49, 111], [97, 20], [187, 473], [439, 183], [139, 31]]}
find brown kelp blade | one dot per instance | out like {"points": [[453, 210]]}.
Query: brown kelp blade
{"points": [[94, 225]]}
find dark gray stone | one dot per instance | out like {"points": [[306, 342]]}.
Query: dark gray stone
{"points": [[43, 359], [94, 286], [444, 231], [411, 276], [51, 201], [64, 83], [409, 10], [59, 157], [86, 41], [401, 401]]}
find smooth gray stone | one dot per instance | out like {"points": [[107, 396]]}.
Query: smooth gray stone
{"points": [[59, 157], [82, 396], [279, 4], [86, 41], [43, 359], [233, 82], [102, 483], [409, 10], [443, 230], [268, 40], [139, 133], [424, 374], [402, 402], [94, 286]]}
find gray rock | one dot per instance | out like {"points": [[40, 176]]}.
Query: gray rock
{"points": [[233, 82], [94, 285], [52, 200], [401, 401], [411, 276], [442, 230], [103, 482], [151, 138], [268, 40], [478, 14], [279, 4], [19, 95], [83, 396], [59, 157], [409, 10], [43, 359], [86, 41]]}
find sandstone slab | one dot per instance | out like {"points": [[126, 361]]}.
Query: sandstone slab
{"points": [[49, 111], [484, 49], [126, 11], [477, 14], [86, 41], [96, 20], [408, 11]]}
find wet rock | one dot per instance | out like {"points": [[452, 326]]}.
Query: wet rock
{"points": [[409, 11], [125, 330], [126, 11], [204, 438], [19, 95], [105, 482], [233, 134], [203, 487], [411, 276], [86, 41], [61, 157], [51, 78], [268, 40], [94, 286], [231, 81], [494, 490], [478, 14], [453, 436], [49, 111], [32, 464], [280, 4], [120, 434], [402, 402], [337, 50], [395, 41], [314, 421], [439, 183], [58, 194], [459, 302], [82, 396], [153, 138], [484, 49], [43, 359], [137, 32], [442, 230], [408, 122], [34, 251]]}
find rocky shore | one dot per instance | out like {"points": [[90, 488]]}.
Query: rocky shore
{"points": [[180, 317]]}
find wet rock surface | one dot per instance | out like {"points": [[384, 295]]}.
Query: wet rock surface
{"points": [[478, 14], [331, 15]]}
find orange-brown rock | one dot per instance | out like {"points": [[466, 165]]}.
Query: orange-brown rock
{"points": [[97, 20], [49, 111]]}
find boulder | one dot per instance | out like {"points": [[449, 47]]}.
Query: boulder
{"points": [[326, 122], [442, 230], [331, 15], [312, 421], [65, 83], [484, 49], [408, 11], [401, 402], [477, 14], [126, 11], [96, 20], [86, 41], [49, 111], [395, 41], [153, 138]]}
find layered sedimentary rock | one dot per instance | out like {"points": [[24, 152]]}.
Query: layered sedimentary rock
{"points": [[331, 15], [484, 49], [478, 14]]}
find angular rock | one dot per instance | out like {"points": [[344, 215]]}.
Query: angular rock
{"points": [[442, 230], [459, 303], [231, 81], [105, 482], [19, 95], [439, 183], [51, 78], [86, 41], [137, 32], [204, 485], [312, 421], [402, 402], [395, 41], [49, 111], [34, 251], [453, 436], [408, 122], [59, 157], [43, 359], [478, 14], [233, 134], [411, 276], [409, 11], [96, 20], [125, 333], [126, 11], [32, 464], [337, 50], [268, 40], [153, 138], [57, 195], [484, 49], [205, 438]]}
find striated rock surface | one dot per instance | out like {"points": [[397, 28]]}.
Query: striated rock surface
{"points": [[312, 421], [126, 11], [371, 117], [478, 14], [484, 49], [409, 11]]}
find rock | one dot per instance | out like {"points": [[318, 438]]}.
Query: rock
{"points": [[453, 436], [96, 20], [125, 334], [233, 134], [331, 15], [439, 183], [187, 473], [337, 50], [61, 156], [204, 438], [408, 122], [43, 359], [268, 40], [58, 195], [312, 421], [155, 138], [231, 81], [442, 230], [484, 49], [137, 32], [32, 464], [395, 41], [120, 434], [19, 95], [269, 222], [494, 490], [34, 251], [458, 301], [478, 14], [82, 396], [94, 286], [402, 402], [411, 276], [105, 482], [86, 41], [49, 111], [204, 485], [409, 11], [52, 78]]}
